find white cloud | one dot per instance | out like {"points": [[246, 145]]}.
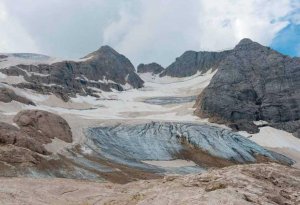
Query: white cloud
{"points": [[13, 37], [161, 30], [143, 30]]}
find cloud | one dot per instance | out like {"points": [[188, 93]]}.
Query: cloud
{"points": [[144, 31], [161, 30], [13, 37], [68, 28]]}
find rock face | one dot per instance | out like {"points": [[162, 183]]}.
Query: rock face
{"points": [[241, 184], [21, 146], [7, 95], [104, 69], [254, 83], [2, 56], [43, 125], [153, 68], [192, 62], [11, 135]]}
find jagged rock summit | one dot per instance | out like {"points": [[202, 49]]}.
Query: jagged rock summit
{"points": [[191, 62], [254, 83], [104, 69], [153, 68]]}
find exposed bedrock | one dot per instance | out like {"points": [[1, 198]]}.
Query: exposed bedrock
{"points": [[3, 56], [7, 95], [191, 62], [241, 184], [254, 83], [104, 69], [152, 68], [43, 125], [206, 145], [22, 147], [11, 135]]}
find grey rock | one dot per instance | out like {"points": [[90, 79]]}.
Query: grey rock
{"points": [[153, 68], [7, 95], [3, 56], [68, 78], [254, 83], [190, 62]]}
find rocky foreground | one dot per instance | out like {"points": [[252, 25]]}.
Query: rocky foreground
{"points": [[240, 184]]}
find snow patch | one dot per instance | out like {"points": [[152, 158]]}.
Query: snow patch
{"points": [[171, 163], [275, 138]]}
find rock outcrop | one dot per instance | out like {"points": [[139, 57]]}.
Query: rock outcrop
{"points": [[21, 145], [2, 56], [7, 95], [241, 184], [152, 68], [104, 69], [191, 62], [43, 125], [254, 83], [11, 135]]}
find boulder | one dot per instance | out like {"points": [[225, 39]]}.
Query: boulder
{"points": [[43, 125]]}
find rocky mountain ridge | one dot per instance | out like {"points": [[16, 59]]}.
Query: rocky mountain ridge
{"points": [[254, 83], [104, 69], [153, 68], [191, 62]]}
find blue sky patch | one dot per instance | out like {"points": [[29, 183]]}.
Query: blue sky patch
{"points": [[287, 41]]}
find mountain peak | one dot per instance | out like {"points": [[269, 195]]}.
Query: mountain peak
{"points": [[106, 48], [245, 41], [103, 50]]}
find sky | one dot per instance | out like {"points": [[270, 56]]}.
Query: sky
{"points": [[146, 31]]}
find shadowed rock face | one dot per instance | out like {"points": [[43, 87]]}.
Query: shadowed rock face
{"points": [[2, 56], [7, 95], [153, 68], [104, 69], [254, 83], [191, 62]]}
